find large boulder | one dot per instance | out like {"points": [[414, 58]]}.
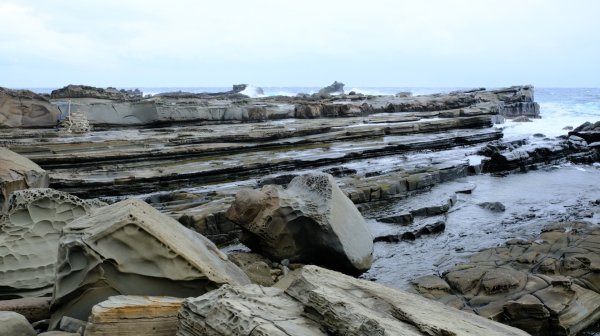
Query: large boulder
{"points": [[323, 302], [14, 324], [18, 172], [29, 234], [23, 108], [311, 222], [134, 315], [130, 248]]}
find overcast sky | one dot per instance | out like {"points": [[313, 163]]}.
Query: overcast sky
{"points": [[429, 43]]}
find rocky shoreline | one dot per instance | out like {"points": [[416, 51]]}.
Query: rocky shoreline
{"points": [[138, 203]]}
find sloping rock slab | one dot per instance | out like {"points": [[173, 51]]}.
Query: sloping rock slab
{"points": [[18, 172], [324, 302], [128, 315], [312, 221], [29, 234], [129, 248]]}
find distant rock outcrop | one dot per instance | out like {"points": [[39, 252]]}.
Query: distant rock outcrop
{"points": [[84, 91], [23, 108], [315, 301], [311, 221], [335, 87], [130, 248]]}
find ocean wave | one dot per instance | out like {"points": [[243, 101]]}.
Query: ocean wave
{"points": [[253, 91]]}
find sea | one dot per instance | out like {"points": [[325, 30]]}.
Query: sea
{"points": [[559, 107]]}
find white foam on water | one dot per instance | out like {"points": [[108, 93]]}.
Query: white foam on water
{"points": [[555, 117]]}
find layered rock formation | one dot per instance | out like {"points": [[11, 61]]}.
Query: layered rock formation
{"points": [[546, 286], [113, 107], [29, 234], [316, 301], [311, 221], [128, 315], [23, 108], [18, 172], [129, 248]]}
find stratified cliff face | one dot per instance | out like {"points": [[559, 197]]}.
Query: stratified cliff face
{"points": [[23, 108], [113, 107]]}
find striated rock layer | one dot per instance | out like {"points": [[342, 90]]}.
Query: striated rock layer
{"points": [[29, 234], [323, 302], [547, 286], [128, 315], [129, 248], [311, 221]]}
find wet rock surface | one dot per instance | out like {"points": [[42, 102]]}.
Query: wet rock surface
{"points": [[545, 286], [322, 302]]}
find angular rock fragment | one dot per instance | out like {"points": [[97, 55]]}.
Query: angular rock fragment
{"points": [[29, 234], [129, 315], [311, 221], [18, 172], [323, 302], [129, 248]]}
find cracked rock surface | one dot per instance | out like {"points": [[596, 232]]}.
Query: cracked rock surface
{"points": [[548, 285], [323, 302]]}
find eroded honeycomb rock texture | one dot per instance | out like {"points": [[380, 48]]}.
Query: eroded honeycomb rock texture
{"points": [[324, 302], [312, 221], [130, 248], [547, 286], [29, 234], [134, 315], [18, 172]]}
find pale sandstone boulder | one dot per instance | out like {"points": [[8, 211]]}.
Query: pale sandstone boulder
{"points": [[14, 324], [129, 315], [130, 248], [29, 234], [18, 172], [317, 301], [312, 221], [23, 108]]}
